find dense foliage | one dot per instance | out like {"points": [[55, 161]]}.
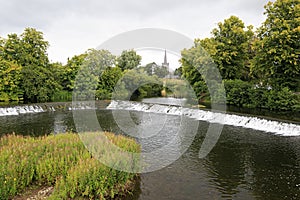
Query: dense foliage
{"points": [[107, 82], [34, 80], [266, 59], [129, 59], [259, 69], [27, 75], [155, 69], [10, 78], [61, 161], [87, 79], [246, 94], [231, 42], [139, 85], [277, 57]]}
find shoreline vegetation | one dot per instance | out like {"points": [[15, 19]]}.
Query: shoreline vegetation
{"points": [[62, 166]]}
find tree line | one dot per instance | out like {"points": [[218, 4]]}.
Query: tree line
{"points": [[27, 75], [258, 68]]}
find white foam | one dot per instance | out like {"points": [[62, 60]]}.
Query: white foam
{"points": [[17, 110], [82, 107], [271, 126]]}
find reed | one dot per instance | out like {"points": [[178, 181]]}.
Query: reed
{"points": [[61, 161]]}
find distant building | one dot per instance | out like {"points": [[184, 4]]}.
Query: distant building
{"points": [[165, 63]]}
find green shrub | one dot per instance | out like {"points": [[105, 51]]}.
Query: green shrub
{"points": [[237, 92], [246, 94], [62, 96], [4, 97], [282, 99], [182, 89]]}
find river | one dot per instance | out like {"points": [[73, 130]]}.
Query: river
{"points": [[246, 163]]}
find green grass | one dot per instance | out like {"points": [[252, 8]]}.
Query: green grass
{"points": [[61, 161]]}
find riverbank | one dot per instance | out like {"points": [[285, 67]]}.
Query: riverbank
{"points": [[62, 162]]}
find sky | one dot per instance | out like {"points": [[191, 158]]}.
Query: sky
{"points": [[73, 26]]}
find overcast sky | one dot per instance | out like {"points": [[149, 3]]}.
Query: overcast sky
{"points": [[73, 26]]}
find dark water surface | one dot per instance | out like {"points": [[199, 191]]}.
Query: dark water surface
{"points": [[244, 164]]}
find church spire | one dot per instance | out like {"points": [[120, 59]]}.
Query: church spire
{"points": [[165, 60], [165, 63]]}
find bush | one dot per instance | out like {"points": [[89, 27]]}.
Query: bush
{"points": [[245, 94], [150, 90], [181, 89], [62, 96], [237, 92], [4, 97], [282, 99]]}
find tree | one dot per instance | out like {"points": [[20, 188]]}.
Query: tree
{"points": [[107, 82], [209, 44], [154, 69], [87, 79], [149, 68], [68, 72], [129, 59], [2, 42], [38, 81], [137, 85], [12, 48], [30, 52], [277, 49], [99, 60], [10, 77], [161, 71], [178, 72], [229, 48], [198, 69]]}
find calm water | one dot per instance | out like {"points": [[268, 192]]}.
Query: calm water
{"points": [[245, 164]]}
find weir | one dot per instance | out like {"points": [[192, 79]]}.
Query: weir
{"points": [[17, 110], [256, 123], [251, 122], [46, 107]]}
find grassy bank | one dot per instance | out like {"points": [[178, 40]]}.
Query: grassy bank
{"points": [[61, 161]]}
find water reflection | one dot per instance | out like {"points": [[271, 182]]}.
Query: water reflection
{"points": [[245, 164], [265, 166], [28, 124]]}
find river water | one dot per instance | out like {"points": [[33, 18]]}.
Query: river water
{"points": [[245, 163]]}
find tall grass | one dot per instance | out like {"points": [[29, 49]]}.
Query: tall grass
{"points": [[60, 160]]}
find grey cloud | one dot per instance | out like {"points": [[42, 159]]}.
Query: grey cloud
{"points": [[67, 23], [41, 13], [29, 13], [251, 6]]}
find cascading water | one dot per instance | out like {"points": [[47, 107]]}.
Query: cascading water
{"points": [[22, 110], [271, 126], [26, 109]]}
